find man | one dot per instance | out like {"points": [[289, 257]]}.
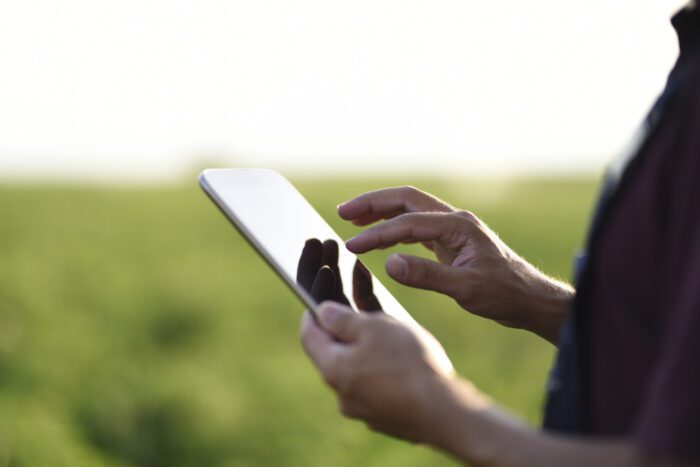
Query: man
{"points": [[626, 387]]}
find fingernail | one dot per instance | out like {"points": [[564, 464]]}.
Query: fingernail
{"points": [[397, 266]]}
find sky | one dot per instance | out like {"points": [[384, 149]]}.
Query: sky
{"points": [[153, 90]]}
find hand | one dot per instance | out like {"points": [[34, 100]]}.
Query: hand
{"points": [[474, 266], [384, 372], [318, 273]]}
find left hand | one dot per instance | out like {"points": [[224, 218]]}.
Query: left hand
{"points": [[384, 372]]}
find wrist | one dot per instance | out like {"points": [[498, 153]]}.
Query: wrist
{"points": [[474, 430], [455, 403], [546, 302], [550, 307]]}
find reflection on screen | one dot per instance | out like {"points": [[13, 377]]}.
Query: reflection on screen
{"points": [[319, 274]]}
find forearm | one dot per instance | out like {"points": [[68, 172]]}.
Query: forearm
{"points": [[477, 432]]}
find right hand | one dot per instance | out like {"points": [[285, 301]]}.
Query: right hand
{"points": [[474, 266]]}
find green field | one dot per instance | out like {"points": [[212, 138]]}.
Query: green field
{"points": [[138, 329]]}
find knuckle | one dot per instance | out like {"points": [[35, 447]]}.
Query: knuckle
{"points": [[466, 223], [410, 190], [467, 216], [405, 220], [430, 274], [413, 195]]}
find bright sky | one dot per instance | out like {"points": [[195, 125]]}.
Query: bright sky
{"points": [[140, 89]]}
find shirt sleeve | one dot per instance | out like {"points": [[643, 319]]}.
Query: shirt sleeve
{"points": [[669, 422]]}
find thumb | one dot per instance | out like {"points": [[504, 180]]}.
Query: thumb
{"points": [[422, 273], [340, 321]]}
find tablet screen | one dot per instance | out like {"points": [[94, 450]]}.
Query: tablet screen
{"points": [[277, 220]]}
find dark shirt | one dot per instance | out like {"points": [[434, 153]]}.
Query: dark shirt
{"points": [[629, 364]]}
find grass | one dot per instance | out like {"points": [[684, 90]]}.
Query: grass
{"points": [[138, 329]]}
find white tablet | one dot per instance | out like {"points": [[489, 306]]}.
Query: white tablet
{"points": [[277, 221]]}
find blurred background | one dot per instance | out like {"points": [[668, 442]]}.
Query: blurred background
{"points": [[138, 329]]}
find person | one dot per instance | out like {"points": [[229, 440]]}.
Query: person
{"points": [[625, 389]]}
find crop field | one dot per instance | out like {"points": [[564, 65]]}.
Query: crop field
{"points": [[137, 328]]}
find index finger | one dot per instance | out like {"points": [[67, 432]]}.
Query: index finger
{"points": [[387, 203], [412, 227]]}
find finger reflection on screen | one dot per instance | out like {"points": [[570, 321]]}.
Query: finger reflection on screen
{"points": [[318, 272]]}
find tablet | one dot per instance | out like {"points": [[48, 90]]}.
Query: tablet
{"points": [[277, 221]]}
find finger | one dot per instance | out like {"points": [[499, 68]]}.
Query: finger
{"points": [[374, 217], [424, 274], [375, 205], [330, 259], [320, 346], [323, 287], [423, 227], [340, 321], [362, 290], [309, 263]]}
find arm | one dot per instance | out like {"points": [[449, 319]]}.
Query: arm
{"points": [[385, 374], [488, 436], [474, 267]]}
